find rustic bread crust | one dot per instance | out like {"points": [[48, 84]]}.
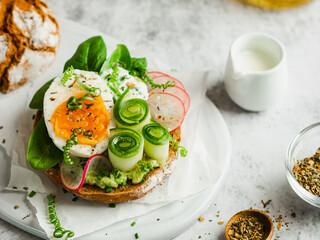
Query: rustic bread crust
{"points": [[32, 34], [122, 193]]}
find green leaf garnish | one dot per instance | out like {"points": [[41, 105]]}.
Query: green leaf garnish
{"points": [[90, 55], [42, 153], [37, 100]]}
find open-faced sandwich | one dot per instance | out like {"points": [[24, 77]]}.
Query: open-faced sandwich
{"points": [[107, 129]]}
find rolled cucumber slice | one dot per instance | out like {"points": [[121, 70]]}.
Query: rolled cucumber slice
{"points": [[125, 148], [131, 112], [156, 144]]}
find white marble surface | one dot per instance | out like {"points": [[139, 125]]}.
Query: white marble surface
{"points": [[196, 35]]}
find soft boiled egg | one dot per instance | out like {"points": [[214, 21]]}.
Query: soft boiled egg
{"points": [[96, 119], [138, 88]]}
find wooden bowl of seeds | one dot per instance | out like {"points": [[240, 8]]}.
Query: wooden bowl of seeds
{"points": [[249, 224]]}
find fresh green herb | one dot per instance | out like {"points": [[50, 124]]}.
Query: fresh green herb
{"points": [[136, 235], [112, 205], [74, 103], [32, 194], [106, 173], [109, 189], [99, 177], [42, 153], [150, 166], [89, 56], [136, 66], [176, 145], [120, 57], [37, 100], [133, 223], [113, 82], [59, 232], [139, 69], [93, 91], [67, 75], [74, 141]]}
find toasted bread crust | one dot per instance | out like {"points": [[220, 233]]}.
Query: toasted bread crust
{"points": [[30, 34], [122, 193]]}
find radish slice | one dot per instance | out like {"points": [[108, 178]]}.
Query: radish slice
{"points": [[166, 109], [156, 74], [73, 176], [165, 78], [162, 79], [178, 92]]}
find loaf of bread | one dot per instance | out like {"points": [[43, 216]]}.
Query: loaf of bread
{"points": [[29, 39]]}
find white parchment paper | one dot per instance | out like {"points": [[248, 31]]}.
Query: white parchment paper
{"points": [[191, 175]]}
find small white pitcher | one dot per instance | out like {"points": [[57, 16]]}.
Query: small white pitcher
{"points": [[256, 73]]}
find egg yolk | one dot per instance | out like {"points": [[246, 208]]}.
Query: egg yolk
{"points": [[95, 118]]}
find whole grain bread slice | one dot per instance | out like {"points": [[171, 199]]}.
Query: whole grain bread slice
{"points": [[122, 193]]}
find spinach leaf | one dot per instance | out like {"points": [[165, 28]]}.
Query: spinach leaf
{"points": [[105, 66], [138, 67], [120, 57], [89, 56], [37, 100], [42, 153]]}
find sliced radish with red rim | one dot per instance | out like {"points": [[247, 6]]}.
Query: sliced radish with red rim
{"points": [[163, 80], [166, 109], [156, 74], [178, 92], [73, 176]]}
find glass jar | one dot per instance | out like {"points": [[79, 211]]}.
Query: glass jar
{"points": [[276, 4]]}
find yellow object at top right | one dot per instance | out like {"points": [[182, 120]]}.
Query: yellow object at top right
{"points": [[276, 4]]}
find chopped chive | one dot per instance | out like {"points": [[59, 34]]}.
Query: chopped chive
{"points": [[109, 189], [133, 223], [99, 177], [106, 173], [112, 205], [136, 235], [74, 199], [31, 194]]}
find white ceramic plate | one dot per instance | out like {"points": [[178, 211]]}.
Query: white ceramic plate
{"points": [[173, 218]]}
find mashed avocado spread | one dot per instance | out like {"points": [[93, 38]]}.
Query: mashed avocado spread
{"points": [[117, 177]]}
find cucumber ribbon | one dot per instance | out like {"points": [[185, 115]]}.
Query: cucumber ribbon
{"points": [[131, 113], [156, 144], [125, 148]]}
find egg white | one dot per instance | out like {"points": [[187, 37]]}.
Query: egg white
{"points": [[57, 94], [139, 88]]}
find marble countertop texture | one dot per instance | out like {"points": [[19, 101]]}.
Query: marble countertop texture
{"points": [[196, 35]]}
